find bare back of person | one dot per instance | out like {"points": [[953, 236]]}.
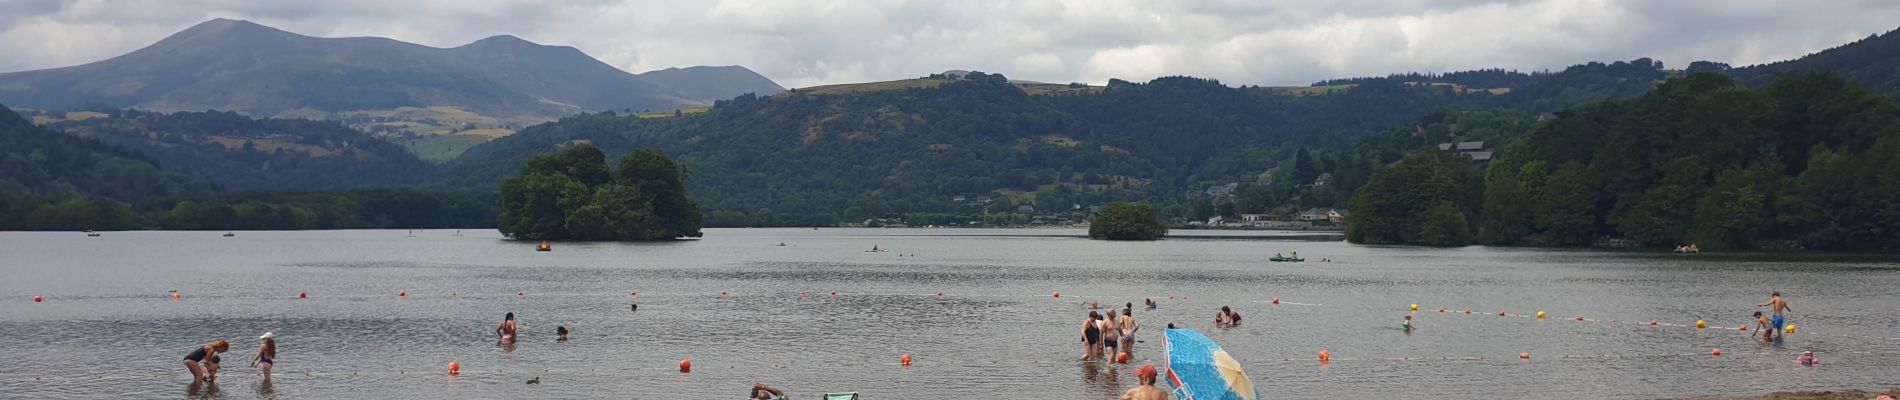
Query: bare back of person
{"points": [[1145, 392]]}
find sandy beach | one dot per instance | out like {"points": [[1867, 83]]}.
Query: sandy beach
{"points": [[1808, 395]]}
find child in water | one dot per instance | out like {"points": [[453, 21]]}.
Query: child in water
{"points": [[1764, 326], [1807, 359], [1407, 325], [562, 331], [211, 368]]}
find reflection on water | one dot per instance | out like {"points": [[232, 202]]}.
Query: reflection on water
{"points": [[995, 332]]}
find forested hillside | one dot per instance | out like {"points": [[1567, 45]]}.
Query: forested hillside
{"points": [[830, 157], [51, 180], [1809, 161], [242, 153]]}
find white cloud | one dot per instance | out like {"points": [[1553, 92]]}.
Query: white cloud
{"points": [[812, 42]]}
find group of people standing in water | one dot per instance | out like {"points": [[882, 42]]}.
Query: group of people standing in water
{"points": [[205, 361], [1113, 333]]}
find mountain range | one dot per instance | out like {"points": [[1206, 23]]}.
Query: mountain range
{"points": [[234, 65]]}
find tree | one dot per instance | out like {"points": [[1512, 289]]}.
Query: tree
{"points": [[1445, 226], [572, 195], [1389, 209], [1127, 221]]}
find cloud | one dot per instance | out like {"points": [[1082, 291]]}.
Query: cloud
{"points": [[811, 42]]}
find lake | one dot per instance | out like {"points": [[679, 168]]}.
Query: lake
{"points": [[108, 327]]}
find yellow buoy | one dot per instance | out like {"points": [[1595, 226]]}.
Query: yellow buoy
{"points": [[1790, 328], [1540, 314], [1699, 324], [1414, 307]]}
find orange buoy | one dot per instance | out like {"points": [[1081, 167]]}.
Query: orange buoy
{"points": [[177, 296], [1276, 300], [1579, 317], [905, 360], [1441, 309], [455, 368], [521, 293], [1500, 313], [834, 293], [1467, 311], [1524, 355], [1653, 323], [1059, 294], [303, 295], [1717, 352], [37, 299], [1122, 358], [1325, 356], [686, 365], [402, 293], [1744, 328]]}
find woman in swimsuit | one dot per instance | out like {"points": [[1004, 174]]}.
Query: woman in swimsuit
{"points": [[195, 360], [507, 329], [265, 354], [1091, 336]]}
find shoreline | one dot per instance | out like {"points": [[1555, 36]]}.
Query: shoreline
{"points": [[1850, 394]]}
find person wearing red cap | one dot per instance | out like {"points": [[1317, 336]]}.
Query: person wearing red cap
{"points": [[1147, 390]]}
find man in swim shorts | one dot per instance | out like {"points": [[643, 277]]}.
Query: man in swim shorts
{"points": [[1775, 306]]}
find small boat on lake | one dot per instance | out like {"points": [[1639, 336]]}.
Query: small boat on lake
{"points": [[1280, 258], [544, 246], [230, 234], [874, 249], [90, 233]]}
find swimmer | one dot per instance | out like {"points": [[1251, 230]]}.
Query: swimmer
{"points": [[266, 353], [1226, 317], [1776, 305], [633, 308], [1807, 359], [507, 329], [195, 360], [1761, 323], [1151, 304], [1147, 390], [1091, 336], [762, 392], [1407, 325], [562, 332], [1111, 334]]}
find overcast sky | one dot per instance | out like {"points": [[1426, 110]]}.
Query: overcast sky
{"points": [[803, 43]]}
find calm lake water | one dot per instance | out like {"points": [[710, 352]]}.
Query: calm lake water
{"points": [[108, 328]]}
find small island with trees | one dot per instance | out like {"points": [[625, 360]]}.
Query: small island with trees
{"points": [[572, 195], [1127, 221]]}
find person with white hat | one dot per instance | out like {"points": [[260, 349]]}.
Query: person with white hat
{"points": [[266, 352]]}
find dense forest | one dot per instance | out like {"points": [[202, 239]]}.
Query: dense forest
{"points": [[1809, 161], [56, 181], [573, 195], [820, 159], [242, 153]]}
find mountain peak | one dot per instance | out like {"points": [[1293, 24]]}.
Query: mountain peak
{"points": [[510, 40], [226, 26]]}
